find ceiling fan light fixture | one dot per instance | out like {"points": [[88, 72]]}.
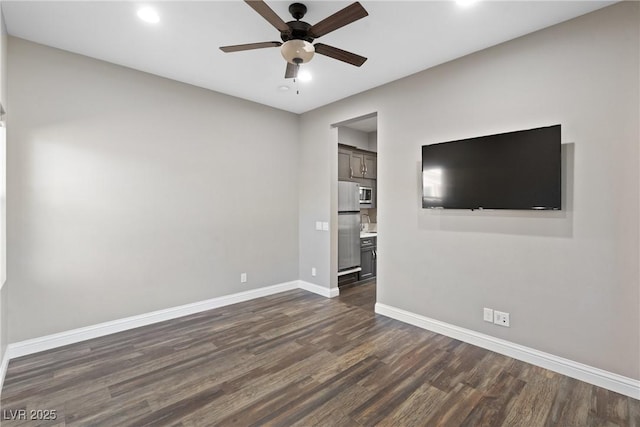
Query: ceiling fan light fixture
{"points": [[297, 51]]}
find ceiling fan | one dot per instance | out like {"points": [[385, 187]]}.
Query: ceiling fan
{"points": [[297, 36]]}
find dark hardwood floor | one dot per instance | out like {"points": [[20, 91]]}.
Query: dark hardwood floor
{"points": [[297, 359]]}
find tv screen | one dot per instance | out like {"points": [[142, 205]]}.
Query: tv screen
{"points": [[514, 170]]}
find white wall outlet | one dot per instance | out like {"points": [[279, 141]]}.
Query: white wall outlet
{"points": [[325, 226], [501, 318], [488, 315], [313, 271], [318, 225], [243, 277]]}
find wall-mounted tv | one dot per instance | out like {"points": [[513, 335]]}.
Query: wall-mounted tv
{"points": [[514, 170]]}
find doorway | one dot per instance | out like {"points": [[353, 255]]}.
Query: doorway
{"points": [[357, 173]]}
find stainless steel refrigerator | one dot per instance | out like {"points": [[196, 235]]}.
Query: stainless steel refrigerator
{"points": [[348, 225]]}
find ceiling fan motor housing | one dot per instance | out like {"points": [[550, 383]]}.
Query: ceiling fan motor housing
{"points": [[298, 30]]}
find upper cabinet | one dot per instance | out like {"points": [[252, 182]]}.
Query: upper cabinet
{"points": [[344, 164], [357, 164], [354, 163], [370, 166]]}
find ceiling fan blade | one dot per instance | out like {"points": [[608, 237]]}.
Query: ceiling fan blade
{"points": [[267, 13], [339, 54], [249, 46], [292, 71], [339, 19]]}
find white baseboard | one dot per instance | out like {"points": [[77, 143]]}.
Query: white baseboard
{"points": [[601, 378], [4, 364], [48, 342], [320, 290]]}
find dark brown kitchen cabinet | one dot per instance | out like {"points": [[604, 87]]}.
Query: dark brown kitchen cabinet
{"points": [[356, 164], [370, 166], [344, 164], [368, 259]]}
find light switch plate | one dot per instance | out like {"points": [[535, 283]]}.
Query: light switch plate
{"points": [[318, 225], [325, 226], [488, 315]]}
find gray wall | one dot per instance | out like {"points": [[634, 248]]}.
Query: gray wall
{"points": [[569, 279], [373, 141], [131, 193], [353, 137], [4, 287], [357, 138]]}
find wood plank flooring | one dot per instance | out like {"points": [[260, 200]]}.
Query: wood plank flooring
{"points": [[297, 359]]}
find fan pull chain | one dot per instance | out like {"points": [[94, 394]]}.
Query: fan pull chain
{"points": [[295, 81]]}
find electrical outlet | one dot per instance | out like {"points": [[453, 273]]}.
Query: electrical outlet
{"points": [[243, 278], [313, 271], [488, 315], [501, 318]]}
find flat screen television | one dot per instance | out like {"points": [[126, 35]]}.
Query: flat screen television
{"points": [[515, 170]]}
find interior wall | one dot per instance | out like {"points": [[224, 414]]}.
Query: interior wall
{"points": [[3, 60], [570, 279], [353, 137], [373, 141], [4, 287], [131, 193], [314, 173]]}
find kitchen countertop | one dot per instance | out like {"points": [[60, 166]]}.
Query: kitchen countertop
{"points": [[364, 235]]}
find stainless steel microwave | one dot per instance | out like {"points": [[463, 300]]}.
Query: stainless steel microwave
{"points": [[366, 195]]}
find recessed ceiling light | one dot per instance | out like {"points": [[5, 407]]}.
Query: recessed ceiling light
{"points": [[304, 76], [283, 88], [149, 15], [466, 2]]}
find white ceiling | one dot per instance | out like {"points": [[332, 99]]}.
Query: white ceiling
{"points": [[399, 38]]}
